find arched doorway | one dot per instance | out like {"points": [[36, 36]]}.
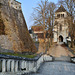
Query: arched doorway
{"points": [[60, 38]]}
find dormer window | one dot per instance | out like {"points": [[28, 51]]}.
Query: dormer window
{"points": [[58, 15]]}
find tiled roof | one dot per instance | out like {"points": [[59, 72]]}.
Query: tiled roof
{"points": [[37, 28], [61, 9], [40, 35]]}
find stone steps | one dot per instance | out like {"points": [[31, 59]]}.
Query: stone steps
{"points": [[62, 59]]}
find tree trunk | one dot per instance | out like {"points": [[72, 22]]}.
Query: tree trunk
{"points": [[44, 41], [71, 42]]}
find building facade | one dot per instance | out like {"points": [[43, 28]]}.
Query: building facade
{"points": [[15, 4], [37, 32], [61, 30]]}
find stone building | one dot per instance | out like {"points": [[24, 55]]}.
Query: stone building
{"points": [[61, 30], [15, 4]]}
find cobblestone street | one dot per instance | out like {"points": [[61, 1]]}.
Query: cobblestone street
{"points": [[56, 68]]}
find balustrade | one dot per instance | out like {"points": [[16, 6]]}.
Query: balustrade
{"points": [[19, 65]]}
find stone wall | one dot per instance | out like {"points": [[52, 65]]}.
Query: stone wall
{"points": [[15, 35]]}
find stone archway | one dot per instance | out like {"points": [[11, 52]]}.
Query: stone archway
{"points": [[60, 38]]}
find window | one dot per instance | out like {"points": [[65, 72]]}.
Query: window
{"points": [[58, 15], [11, 3], [60, 27], [20, 7], [62, 15]]}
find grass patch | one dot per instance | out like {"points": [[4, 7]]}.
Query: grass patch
{"points": [[20, 55]]}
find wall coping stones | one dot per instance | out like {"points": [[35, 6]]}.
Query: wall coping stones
{"points": [[21, 58]]}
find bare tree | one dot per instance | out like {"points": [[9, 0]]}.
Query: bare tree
{"points": [[50, 21], [39, 16], [70, 6], [44, 15]]}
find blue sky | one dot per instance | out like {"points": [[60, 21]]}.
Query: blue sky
{"points": [[27, 8]]}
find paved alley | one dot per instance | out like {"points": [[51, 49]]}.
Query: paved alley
{"points": [[59, 50], [56, 68]]}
